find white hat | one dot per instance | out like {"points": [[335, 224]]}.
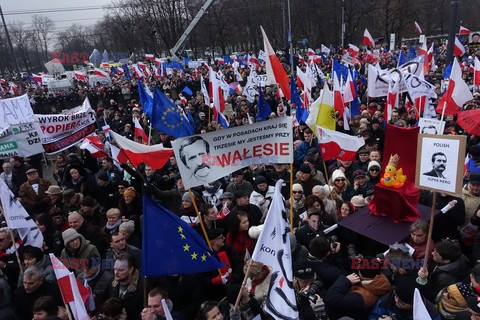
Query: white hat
{"points": [[297, 187], [373, 163], [338, 174]]}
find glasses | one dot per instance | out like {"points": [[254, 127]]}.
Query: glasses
{"points": [[374, 169], [298, 192], [340, 180]]}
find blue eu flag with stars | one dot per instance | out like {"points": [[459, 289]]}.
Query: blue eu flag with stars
{"points": [[169, 118], [171, 246]]}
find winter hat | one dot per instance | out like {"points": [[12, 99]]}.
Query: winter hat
{"points": [[130, 192], [297, 187], [254, 232], [129, 226], [69, 235], [363, 151], [241, 193], [54, 190], [405, 291], [373, 163], [358, 173], [457, 295], [259, 180], [186, 197], [358, 201], [214, 233], [328, 189], [305, 169], [68, 193], [338, 174], [474, 178], [124, 183], [227, 195]]}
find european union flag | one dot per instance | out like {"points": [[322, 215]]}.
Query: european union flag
{"points": [[401, 59], [447, 72], [127, 72], [227, 60], [264, 109], [171, 246], [412, 54], [188, 91], [340, 69], [145, 99], [168, 118], [301, 113], [176, 65]]}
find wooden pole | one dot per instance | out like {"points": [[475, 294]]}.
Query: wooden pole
{"points": [[291, 197], [430, 230], [243, 283], [69, 313], [16, 251], [149, 133], [192, 197]]}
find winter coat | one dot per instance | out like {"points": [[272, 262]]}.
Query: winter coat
{"points": [[132, 300], [46, 266], [99, 285], [132, 251], [256, 197], [33, 202], [74, 259], [24, 301], [472, 202]]}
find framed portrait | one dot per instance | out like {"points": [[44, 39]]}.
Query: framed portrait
{"points": [[440, 160]]}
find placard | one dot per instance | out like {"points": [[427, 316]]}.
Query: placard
{"points": [[431, 126], [440, 160]]}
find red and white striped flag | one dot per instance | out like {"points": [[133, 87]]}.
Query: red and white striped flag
{"points": [[368, 39], [94, 145], [463, 31], [458, 48], [37, 78], [80, 76], [73, 291], [476, 72], [139, 131], [138, 71], [417, 26], [120, 70], [311, 52], [392, 100], [353, 50], [101, 73], [149, 56], [142, 65]]}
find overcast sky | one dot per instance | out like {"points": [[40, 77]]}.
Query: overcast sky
{"points": [[62, 19]]}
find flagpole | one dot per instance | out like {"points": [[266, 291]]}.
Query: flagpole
{"points": [[69, 313], [149, 132], [244, 282], [430, 230], [291, 197], [16, 251], [443, 110], [201, 223]]}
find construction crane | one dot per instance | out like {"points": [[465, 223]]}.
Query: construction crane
{"points": [[179, 46]]}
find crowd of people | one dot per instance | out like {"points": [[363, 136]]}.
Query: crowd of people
{"points": [[90, 214]]}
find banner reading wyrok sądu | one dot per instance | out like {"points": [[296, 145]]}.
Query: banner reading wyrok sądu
{"points": [[61, 131], [207, 157]]}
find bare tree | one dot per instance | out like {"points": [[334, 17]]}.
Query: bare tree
{"points": [[44, 27]]}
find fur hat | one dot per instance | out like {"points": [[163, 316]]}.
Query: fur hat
{"points": [[69, 235]]}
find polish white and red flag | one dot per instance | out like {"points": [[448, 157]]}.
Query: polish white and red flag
{"points": [[392, 100], [368, 39], [458, 48], [139, 131], [417, 26], [74, 293], [423, 48], [138, 72], [338, 103], [156, 156], [275, 72], [337, 145], [463, 31], [120, 70], [37, 78], [80, 76], [349, 92], [149, 56], [353, 50], [101, 73], [94, 145], [311, 52], [147, 72], [158, 61], [457, 92], [142, 65], [476, 72]]}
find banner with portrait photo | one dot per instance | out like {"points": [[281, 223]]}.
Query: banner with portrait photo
{"points": [[61, 131], [431, 126], [440, 160], [207, 157]]}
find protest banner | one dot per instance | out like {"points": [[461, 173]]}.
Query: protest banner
{"points": [[207, 157], [15, 111], [20, 140], [61, 131]]}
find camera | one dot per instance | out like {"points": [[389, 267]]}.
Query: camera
{"points": [[310, 294]]}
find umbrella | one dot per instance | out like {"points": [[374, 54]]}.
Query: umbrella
{"points": [[470, 121]]}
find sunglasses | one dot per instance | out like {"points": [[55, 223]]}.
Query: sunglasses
{"points": [[308, 270], [297, 192], [340, 180]]}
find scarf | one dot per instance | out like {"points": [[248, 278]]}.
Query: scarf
{"points": [[78, 181], [114, 226], [11, 250], [299, 204]]}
